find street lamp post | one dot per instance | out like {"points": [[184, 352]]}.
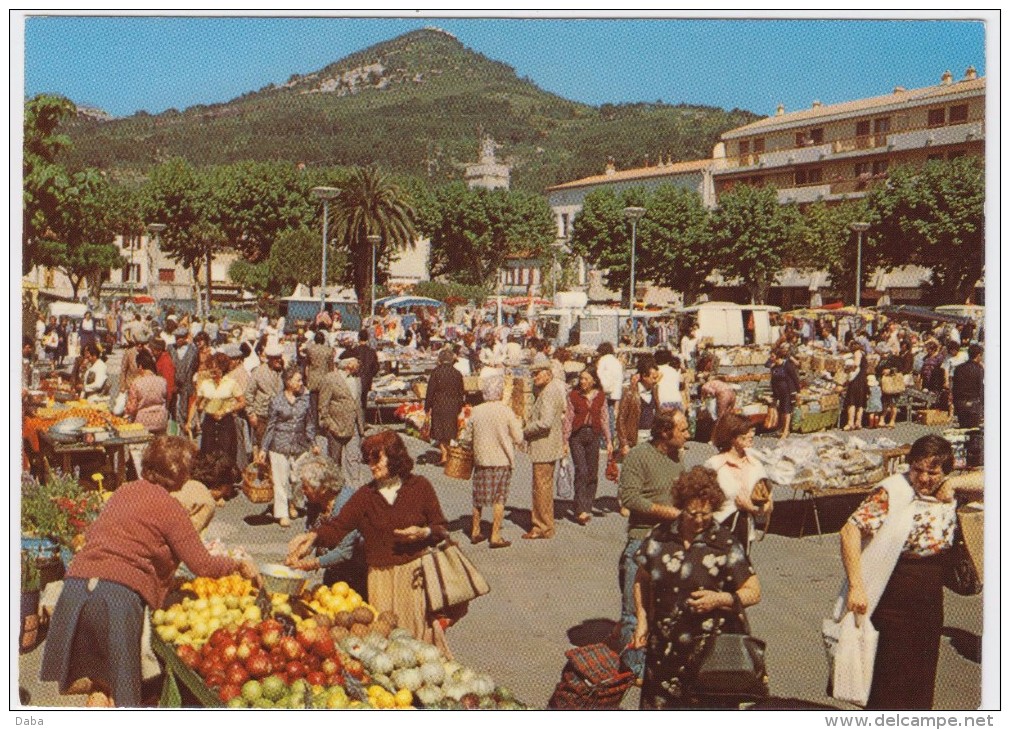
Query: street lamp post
{"points": [[326, 195], [633, 213], [373, 240], [154, 233], [860, 228]]}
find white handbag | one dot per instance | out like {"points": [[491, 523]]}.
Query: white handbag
{"points": [[854, 657]]}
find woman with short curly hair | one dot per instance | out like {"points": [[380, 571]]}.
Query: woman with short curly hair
{"points": [[693, 580]]}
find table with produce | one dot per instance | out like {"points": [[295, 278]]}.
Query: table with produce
{"points": [[223, 643], [80, 434]]}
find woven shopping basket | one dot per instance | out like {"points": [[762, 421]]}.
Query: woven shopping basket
{"points": [[257, 484]]}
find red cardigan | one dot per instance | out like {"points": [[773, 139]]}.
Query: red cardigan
{"points": [[590, 413], [369, 513], [138, 540]]}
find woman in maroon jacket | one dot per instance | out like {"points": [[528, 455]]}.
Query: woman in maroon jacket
{"points": [[130, 556], [398, 515], [590, 423]]}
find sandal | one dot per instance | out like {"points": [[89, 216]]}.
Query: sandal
{"points": [[533, 535], [477, 539], [500, 544]]}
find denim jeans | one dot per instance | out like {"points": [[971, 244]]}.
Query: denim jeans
{"points": [[634, 658]]}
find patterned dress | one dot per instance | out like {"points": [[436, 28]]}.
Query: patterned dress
{"points": [[909, 616], [714, 561]]}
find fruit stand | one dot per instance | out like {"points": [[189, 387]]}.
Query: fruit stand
{"points": [[223, 645], [82, 435]]}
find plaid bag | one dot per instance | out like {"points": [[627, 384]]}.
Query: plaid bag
{"points": [[593, 678]]}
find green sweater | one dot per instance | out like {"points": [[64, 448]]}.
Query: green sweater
{"points": [[647, 478]]}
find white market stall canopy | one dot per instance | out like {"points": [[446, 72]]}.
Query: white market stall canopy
{"points": [[302, 293], [404, 301]]}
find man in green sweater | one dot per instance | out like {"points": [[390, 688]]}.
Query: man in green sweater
{"points": [[647, 478]]}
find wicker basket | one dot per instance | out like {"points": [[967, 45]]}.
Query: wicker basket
{"points": [[933, 417], [459, 465], [257, 485]]}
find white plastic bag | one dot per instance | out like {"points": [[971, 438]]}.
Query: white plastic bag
{"points": [[854, 657], [564, 478]]}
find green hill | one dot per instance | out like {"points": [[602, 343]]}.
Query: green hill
{"points": [[415, 104]]}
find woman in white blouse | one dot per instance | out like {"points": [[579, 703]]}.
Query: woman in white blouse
{"points": [[738, 471]]}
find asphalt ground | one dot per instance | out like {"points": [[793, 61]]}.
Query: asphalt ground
{"points": [[549, 595]]}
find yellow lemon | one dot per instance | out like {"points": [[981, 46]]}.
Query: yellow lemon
{"points": [[404, 698], [167, 633], [341, 588], [158, 617]]}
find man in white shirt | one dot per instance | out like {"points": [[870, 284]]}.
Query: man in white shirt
{"points": [[670, 386], [96, 374], [611, 373]]}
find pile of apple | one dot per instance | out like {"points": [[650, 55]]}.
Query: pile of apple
{"points": [[261, 665]]}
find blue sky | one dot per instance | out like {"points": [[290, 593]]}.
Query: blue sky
{"points": [[126, 64]]}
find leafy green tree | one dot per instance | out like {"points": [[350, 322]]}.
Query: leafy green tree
{"points": [[184, 199], [675, 236], [826, 242], [370, 203], [602, 235], [473, 232], [81, 230], [753, 237], [255, 201], [254, 277], [932, 216], [296, 257], [43, 178]]}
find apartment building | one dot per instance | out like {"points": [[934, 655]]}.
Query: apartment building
{"points": [[838, 152]]}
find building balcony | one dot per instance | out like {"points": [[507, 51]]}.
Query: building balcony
{"points": [[918, 138]]}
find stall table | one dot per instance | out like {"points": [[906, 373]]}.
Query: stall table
{"points": [[810, 494], [113, 451]]}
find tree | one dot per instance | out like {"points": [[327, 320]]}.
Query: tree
{"points": [[255, 277], [258, 200], [826, 242], [370, 203], [675, 236], [80, 232], [473, 232], [177, 194], [297, 257], [932, 216], [602, 235], [753, 237], [43, 178]]}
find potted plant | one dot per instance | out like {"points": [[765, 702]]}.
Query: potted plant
{"points": [[54, 515]]}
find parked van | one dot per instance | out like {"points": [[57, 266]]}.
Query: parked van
{"points": [[728, 324]]}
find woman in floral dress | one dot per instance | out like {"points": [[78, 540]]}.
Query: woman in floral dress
{"points": [[901, 588], [693, 579]]}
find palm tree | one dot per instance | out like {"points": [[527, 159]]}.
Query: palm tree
{"points": [[370, 203]]}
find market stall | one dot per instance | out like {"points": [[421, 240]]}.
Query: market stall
{"points": [[321, 648], [826, 464], [80, 437]]}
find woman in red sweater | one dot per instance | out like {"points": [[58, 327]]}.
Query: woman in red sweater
{"points": [[398, 515], [130, 555], [590, 423]]}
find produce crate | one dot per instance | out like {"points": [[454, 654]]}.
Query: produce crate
{"points": [[932, 417], [806, 422]]}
